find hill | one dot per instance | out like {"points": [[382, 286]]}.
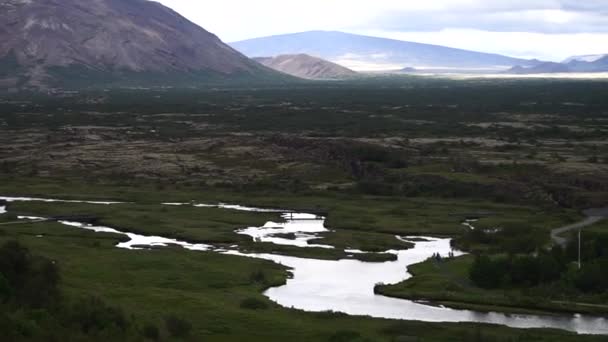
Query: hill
{"points": [[47, 43], [306, 66]]}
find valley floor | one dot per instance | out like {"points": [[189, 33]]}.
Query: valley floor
{"points": [[513, 159]]}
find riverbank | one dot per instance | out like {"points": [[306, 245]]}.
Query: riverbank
{"points": [[210, 290], [363, 222], [345, 290], [447, 283]]}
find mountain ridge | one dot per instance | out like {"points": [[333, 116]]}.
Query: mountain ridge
{"points": [[338, 47], [573, 66], [49, 39]]}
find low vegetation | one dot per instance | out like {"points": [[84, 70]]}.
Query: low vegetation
{"points": [[385, 157]]}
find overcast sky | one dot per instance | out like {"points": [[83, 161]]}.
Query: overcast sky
{"points": [[545, 29]]}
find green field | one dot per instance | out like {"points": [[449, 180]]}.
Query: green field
{"points": [[384, 156], [447, 282], [208, 290]]}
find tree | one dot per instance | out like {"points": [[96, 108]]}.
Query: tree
{"points": [[487, 273], [177, 327]]}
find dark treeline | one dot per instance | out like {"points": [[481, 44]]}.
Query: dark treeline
{"points": [[547, 267], [33, 307]]}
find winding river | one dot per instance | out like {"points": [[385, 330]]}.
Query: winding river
{"points": [[345, 285]]}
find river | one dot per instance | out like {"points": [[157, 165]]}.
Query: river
{"points": [[345, 285]]}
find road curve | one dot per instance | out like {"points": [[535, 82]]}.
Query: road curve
{"points": [[593, 216]]}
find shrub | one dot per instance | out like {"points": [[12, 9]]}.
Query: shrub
{"points": [[487, 273], [254, 304], [258, 277], [34, 280], [150, 331], [345, 336], [5, 289], [593, 277], [177, 327], [91, 315]]}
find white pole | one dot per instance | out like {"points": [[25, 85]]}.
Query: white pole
{"points": [[579, 248]]}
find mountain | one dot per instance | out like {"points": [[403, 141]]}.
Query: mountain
{"points": [[365, 53], [543, 68], [598, 65], [584, 58], [306, 66], [54, 42], [574, 65]]}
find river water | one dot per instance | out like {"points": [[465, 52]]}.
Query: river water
{"points": [[346, 285]]}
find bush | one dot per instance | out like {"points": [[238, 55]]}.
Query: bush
{"points": [[593, 276], [92, 315], [345, 336], [254, 304], [177, 327], [5, 289], [519, 271], [150, 331], [34, 279], [258, 277], [487, 273]]}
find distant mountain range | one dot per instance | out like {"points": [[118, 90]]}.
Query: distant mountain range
{"points": [[577, 64], [46, 43], [306, 66], [373, 53], [584, 58]]}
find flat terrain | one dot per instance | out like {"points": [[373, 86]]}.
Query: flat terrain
{"points": [[383, 156]]}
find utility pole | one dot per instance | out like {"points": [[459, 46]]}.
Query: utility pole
{"points": [[579, 248]]}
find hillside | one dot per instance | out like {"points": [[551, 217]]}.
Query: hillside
{"points": [[57, 42], [306, 66]]}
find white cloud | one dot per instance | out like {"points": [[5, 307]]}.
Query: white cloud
{"points": [[547, 29], [556, 47]]}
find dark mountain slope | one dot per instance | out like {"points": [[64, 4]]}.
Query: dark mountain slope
{"points": [[58, 41]]}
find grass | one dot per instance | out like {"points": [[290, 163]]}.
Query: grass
{"points": [[298, 146], [192, 224], [365, 241], [358, 221], [447, 282], [210, 290], [600, 227]]}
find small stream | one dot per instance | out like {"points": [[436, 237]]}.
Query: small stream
{"points": [[344, 285]]}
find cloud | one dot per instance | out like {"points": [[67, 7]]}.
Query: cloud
{"points": [[541, 16], [547, 29], [555, 47]]}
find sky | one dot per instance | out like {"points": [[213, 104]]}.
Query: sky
{"points": [[543, 29]]}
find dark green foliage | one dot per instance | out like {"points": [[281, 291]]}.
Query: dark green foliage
{"points": [[254, 304], [594, 257], [511, 239], [258, 277], [593, 246], [81, 77], [5, 288], [177, 326], [345, 336], [150, 331], [593, 276], [518, 271], [33, 280], [487, 273], [92, 315], [35, 308]]}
